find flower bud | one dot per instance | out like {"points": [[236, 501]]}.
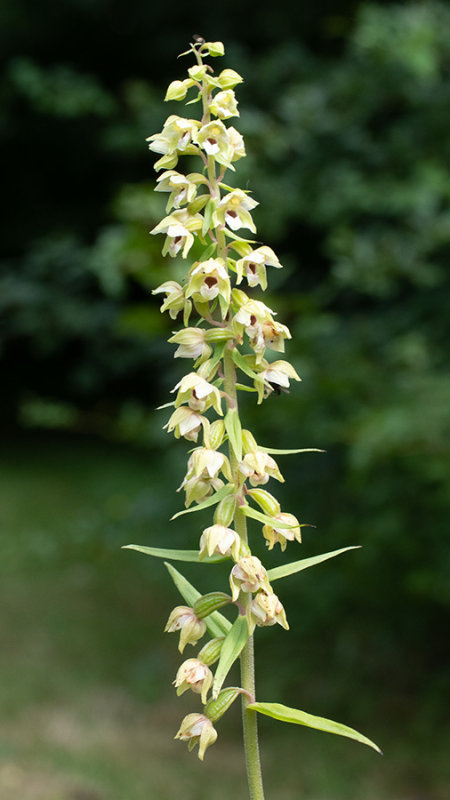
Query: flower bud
{"points": [[176, 91], [266, 609], [224, 513], [266, 501], [248, 575], [194, 674], [229, 78], [183, 619], [215, 709], [214, 48], [248, 442], [208, 603], [210, 652], [216, 434], [197, 729]]}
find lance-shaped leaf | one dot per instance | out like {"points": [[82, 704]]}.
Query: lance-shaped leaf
{"points": [[273, 450], [216, 623], [173, 555], [232, 647], [266, 520], [240, 362], [210, 501], [304, 563], [207, 216], [294, 715], [234, 431]]}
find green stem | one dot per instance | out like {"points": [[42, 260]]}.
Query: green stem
{"points": [[247, 659], [249, 718]]}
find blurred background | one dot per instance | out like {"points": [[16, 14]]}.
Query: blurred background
{"points": [[345, 112]]}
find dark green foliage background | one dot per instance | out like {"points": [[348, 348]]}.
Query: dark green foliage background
{"points": [[345, 113]]}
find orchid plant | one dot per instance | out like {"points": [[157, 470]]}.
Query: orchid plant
{"points": [[228, 334]]}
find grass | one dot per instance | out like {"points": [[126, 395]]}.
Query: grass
{"points": [[88, 712]]}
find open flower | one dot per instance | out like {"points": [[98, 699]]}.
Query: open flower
{"points": [[199, 488], [281, 535], [186, 422], [266, 609], [176, 137], [182, 189], [175, 300], [221, 541], [258, 467], [197, 393], [208, 463], [234, 210], [191, 628], [191, 343], [197, 729], [194, 674], [224, 104], [208, 280], [248, 575], [254, 266], [274, 376], [178, 228], [213, 139]]}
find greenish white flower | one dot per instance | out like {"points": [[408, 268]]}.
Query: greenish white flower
{"points": [[248, 575], [281, 536], [258, 467], [274, 375], [253, 266], [177, 136], [224, 104], [182, 189], [262, 330], [178, 228], [206, 462], [191, 628], [186, 422], [194, 674], [197, 729], [234, 210], [219, 540], [198, 489], [175, 299], [197, 393], [213, 139], [208, 280], [266, 609], [191, 343]]}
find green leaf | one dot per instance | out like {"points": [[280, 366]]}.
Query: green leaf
{"points": [[240, 362], [265, 519], [235, 236], [175, 555], [216, 623], [234, 431], [207, 216], [286, 714], [219, 350], [244, 388], [232, 647], [304, 563], [276, 452], [210, 501]]}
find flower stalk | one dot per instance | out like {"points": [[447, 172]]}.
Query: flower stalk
{"points": [[228, 333]]}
